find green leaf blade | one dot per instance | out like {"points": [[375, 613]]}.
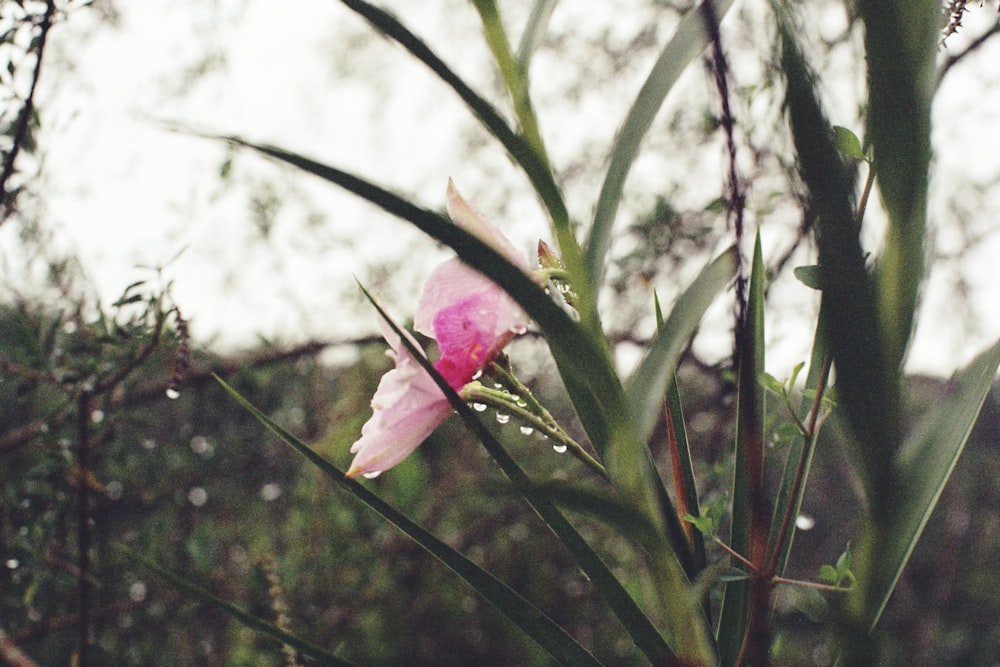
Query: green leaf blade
{"points": [[690, 38], [647, 385], [926, 461]]}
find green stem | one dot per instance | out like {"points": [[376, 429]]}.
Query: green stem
{"points": [[504, 403]]}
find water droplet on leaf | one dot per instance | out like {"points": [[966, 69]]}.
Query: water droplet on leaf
{"points": [[479, 407], [559, 448], [173, 394], [371, 475], [527, 430], [502, 418]]}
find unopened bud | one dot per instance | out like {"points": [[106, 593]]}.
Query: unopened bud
{"points": [[547, 258]]}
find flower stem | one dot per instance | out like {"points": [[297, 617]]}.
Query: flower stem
{"points": [[517, 401]]}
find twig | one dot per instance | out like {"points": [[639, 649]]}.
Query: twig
{"points": [[23, 120]]}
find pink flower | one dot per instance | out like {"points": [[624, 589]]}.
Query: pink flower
{"points": [[407, 407], [471, 318]]}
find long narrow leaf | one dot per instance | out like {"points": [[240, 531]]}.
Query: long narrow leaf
{"points": [[925, 462], [648, 383], [514, 76], [867, 381], [742, 613], [690, 38], [901, 45], [680, 454], [321, 656], [526, 616], [534, 31]]}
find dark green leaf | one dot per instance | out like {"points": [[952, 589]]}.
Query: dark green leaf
{"points": [[808, 275], [847, 143]]}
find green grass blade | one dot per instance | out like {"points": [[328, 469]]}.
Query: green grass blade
{"points": [[647, 385], [534, 31], [684, 480], [646, 637], [867, 381], [320, 655], [690, 39], [687, 482], [536, 169], [925, 462], [901, 44], [534, 164], [514, 76], [748, 534], [526, 616]]}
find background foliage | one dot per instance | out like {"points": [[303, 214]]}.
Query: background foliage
{"points": [[195, 482]]}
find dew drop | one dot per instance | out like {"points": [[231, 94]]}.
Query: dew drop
{"points": [[497, 385], [479, 407], [559, 448], [520, 403], [173, 394], [478, 374], [12, 563], [518, 329], [502, 418], [515, 397], [371, 475], [526, 430], [804, 522]]}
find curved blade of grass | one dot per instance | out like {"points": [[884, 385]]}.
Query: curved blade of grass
{"points": [[690, 39], [867, 381], [534, 31], [535, 164], [648, 383], [926, 461], [320, 655], [522, 613], [901, 44], [514, 76]]}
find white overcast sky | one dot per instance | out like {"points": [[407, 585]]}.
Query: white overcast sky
{"points": [[121, 191]]}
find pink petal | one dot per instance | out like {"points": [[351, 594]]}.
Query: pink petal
{"points": [[407, 407]]}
